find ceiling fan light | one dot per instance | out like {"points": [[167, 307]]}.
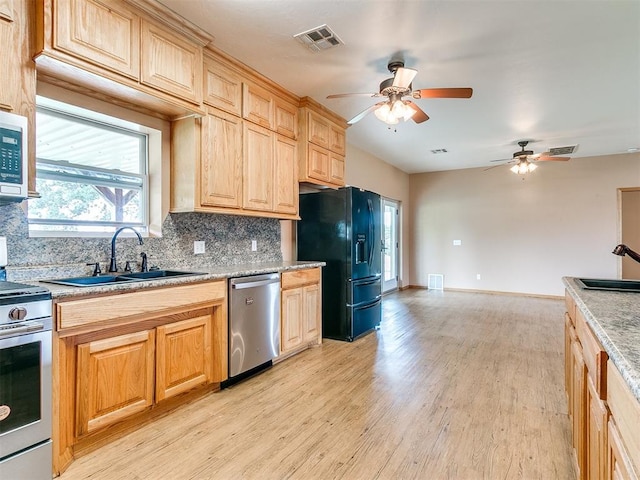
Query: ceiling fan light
{"points": [[523, 167], [408, 112], [383, 112]]}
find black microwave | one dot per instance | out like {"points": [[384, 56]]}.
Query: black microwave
{"points": [[14, 176]]}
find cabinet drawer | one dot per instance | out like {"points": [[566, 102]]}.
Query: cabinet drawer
{"points": [[297, 278], [76, 313], [625, 411], [595, 358]]}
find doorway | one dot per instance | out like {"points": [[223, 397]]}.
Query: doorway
{"points": [[390, 244], [630, 229]]}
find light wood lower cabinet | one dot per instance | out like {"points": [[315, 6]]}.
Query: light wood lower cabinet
{"points": [[301, 314], [604, 414], [115, 379], [122, 359]]}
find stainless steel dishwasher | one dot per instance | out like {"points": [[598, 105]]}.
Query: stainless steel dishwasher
{"points": [[254, 324]]}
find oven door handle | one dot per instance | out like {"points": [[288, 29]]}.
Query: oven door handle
{"points": [[13, 330]]}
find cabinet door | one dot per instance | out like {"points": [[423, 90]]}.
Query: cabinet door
{"points": [[183, 356], [579, 409], [258, 167], [257, 105], [115, 379], [337, 140], [619, 466], [221, 161], [292, 312], [336, 172], [170, 63], [100, 32], [286, 176], [311, 319], [12, 70], [318, 130], [222, 87], [286, 119], [317, 162], [597, 416]]}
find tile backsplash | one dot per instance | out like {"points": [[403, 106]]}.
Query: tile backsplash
{"points": [[227, 242]]}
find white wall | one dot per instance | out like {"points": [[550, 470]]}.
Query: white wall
{"points": [[367, 171], [520, 235]]}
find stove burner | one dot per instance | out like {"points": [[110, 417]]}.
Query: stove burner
{"points": [[12, 288]]}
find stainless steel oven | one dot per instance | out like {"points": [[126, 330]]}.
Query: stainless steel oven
{"points": [[25, 382]]}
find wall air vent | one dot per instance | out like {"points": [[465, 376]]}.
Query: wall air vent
{"points": [[563, 150], [439, 150], [319, 38], [435, 281]]}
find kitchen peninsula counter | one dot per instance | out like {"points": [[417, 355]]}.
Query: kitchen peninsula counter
{"points": [[614, 317]]}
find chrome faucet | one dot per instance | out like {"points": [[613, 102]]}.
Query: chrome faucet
{"points": [[623, 250], [113, 265]]}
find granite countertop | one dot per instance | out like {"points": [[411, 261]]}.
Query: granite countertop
{"points": [[206, 274], [614, 317]]}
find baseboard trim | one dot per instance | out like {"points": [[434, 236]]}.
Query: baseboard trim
{"points": [[490, 292]]}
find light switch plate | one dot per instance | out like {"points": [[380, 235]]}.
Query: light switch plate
{"points": [[3, 251], [457, 243]]}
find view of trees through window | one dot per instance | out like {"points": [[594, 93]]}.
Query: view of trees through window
{"points": [[91, 176]]}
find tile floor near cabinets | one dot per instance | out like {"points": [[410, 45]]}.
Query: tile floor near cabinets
{"points": [[453, 386]]}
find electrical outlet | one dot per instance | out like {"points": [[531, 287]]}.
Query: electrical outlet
{"points": [[254, 245], [198, 247], [478, 277]]}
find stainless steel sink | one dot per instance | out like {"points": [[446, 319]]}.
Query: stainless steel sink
{"points": [[157, 274], [122, 278], [609, 284], [91, 281]]}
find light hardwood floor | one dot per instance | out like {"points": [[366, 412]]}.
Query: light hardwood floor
{"points": [[454, 385]]}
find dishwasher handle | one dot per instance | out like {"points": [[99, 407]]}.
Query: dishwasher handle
{"points": [[258, 283]]}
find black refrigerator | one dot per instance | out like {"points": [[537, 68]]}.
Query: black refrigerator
{"points": [[343, 228]]}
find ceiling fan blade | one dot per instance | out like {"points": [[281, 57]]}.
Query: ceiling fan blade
{"points": [[419, 116], [403, 77], [545, 158], [505, 160], [443, 93], [364, 113], [343, 95]]}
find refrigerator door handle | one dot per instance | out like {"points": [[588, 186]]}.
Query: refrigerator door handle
{"points": [[371, 230]]}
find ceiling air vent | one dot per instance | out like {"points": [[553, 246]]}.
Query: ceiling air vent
{"points": [[319, 38], [562, 150], [439, 150]]}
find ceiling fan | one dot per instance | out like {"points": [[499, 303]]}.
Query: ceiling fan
{"points": [[394, 107], [525, 159]]}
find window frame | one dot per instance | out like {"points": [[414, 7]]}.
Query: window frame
{"points": [[108, 122]]}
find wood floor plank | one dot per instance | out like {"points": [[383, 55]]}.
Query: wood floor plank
{"points": [[454, 385]]}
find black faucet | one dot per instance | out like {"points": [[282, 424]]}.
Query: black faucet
{"points": [[145, 266], [113, 265], [623, 250]]}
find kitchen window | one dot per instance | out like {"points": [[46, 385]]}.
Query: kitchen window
{"points": [[91, 172]]}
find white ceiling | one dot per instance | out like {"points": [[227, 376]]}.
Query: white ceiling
{"points": [[560, 72]]}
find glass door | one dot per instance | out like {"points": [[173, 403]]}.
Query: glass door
{"points": [[390, 244]]}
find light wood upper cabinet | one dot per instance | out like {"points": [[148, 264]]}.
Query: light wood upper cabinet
{"points": [[258, 167], [286, 176], [101, 32], [170, 62], [258, 105], [337, 140], [286, 119], [183, 356], [322, 153], [115, 379], [222, 87], [221, 162], [318, 130], [11, 72]]}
